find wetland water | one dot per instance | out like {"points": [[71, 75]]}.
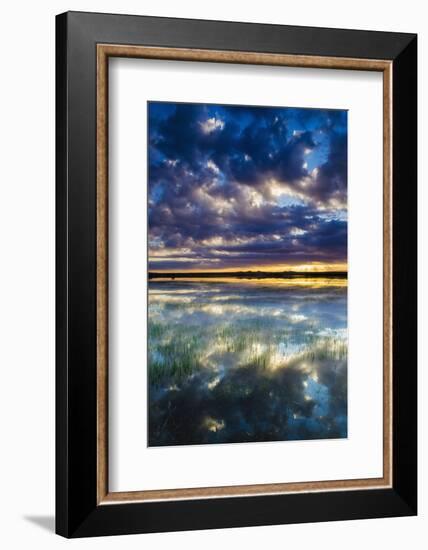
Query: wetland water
{"points": [[239, 360]]}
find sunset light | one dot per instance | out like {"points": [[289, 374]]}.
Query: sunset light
{"points": [[235, 188]]}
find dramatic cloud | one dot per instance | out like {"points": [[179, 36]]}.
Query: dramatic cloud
{"points": [[246, 187]]}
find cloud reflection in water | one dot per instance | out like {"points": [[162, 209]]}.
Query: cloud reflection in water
{"points": [[246, 361]]}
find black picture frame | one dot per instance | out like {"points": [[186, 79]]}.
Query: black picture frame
{"points": [[77, 511]]}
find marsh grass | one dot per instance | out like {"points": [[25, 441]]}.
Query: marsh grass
{"points": [[234, 363], [327, 348], [177, 351], [174, 352]]}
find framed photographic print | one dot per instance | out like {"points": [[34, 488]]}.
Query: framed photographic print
{"points": [[236, 274]]}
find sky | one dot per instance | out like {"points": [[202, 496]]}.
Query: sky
{"points": [[246, 188]]}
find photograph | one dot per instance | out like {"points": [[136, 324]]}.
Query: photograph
{"points": [[236, 271], [213, 267], [247, 269]]}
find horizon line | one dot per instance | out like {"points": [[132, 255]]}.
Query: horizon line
{"points": [[247, 273]]}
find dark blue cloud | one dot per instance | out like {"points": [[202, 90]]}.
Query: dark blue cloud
{"points": [[233, 186]]}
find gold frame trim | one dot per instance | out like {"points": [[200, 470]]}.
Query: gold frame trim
{"points": [[104, 51]]}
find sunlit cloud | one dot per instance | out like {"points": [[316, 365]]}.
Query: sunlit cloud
{"points": [[211, 124], [246, 188]]}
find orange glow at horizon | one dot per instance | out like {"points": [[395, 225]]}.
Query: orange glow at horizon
{"points": [[309, 267]]}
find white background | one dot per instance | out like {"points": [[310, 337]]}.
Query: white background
{"points": [[133, 466], [27, 274]]}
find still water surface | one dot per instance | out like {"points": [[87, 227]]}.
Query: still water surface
{"points": [[233, 360]]}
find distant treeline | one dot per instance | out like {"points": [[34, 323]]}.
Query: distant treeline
{"points": [[254, 275]]}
